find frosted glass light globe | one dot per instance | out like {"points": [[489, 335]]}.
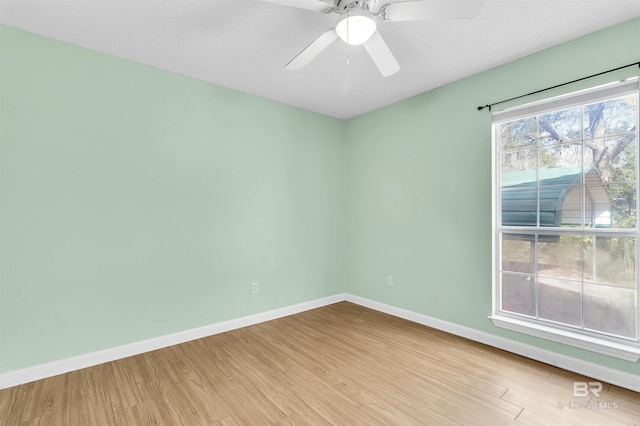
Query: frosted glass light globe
{"points": [[356, 30]]}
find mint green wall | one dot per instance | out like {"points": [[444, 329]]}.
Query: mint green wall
{"points": [[138, 203], [419, 187]]}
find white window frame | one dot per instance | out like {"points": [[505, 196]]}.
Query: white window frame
{"points": [[627, 349]]}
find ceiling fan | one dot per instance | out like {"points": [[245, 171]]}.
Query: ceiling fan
{"points": [[357, 24]]}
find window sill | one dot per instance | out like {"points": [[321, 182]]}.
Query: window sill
{"points": [[594, 344]]}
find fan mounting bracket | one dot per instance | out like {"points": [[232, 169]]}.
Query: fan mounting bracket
{"points": [[345, 6]]}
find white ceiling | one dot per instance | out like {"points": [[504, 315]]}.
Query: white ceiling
{"points": [[245, 44]]}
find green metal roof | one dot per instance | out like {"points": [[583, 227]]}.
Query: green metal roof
{"points": [[555, 176], [520, 197]]}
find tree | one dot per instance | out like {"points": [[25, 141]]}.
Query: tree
{"points": [[609, 130]]}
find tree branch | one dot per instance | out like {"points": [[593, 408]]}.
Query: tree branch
{"points": [[550, 130]]}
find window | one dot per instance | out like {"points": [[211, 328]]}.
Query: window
{"points": [[565, 219]]}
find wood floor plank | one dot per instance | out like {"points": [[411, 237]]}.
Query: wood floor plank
{"points": [[342, 364]]}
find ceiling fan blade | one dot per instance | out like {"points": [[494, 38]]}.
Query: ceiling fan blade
{"points": [[313, 50], [381, 55], [420, 10], [314, 5]]}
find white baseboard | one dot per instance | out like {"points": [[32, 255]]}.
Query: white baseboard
{"points": [[589, 369], [18, 377], [609, 375]]}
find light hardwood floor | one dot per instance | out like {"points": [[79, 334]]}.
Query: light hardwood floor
{"points": [[342, 364]]}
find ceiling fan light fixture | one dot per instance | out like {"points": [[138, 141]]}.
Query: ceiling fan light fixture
{"points": [[356, 29]]}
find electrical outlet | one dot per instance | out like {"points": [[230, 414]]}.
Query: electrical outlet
{"points": [[389, 281], [254, 288]]}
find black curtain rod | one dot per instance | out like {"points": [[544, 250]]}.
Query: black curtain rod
{"points": [[480, 108]]}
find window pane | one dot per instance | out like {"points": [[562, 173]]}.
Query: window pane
{"points": [[614, 158], [610, 309], [598, 208], [559, 300], [570, 205], [520, 207], [623, 205], [561, 126], [520, 162], [610, 117], [518, 253], [559, 256], [610, 260], [558, 205], [611, 206], [558, 161], [518, 294], [519, 133]]}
